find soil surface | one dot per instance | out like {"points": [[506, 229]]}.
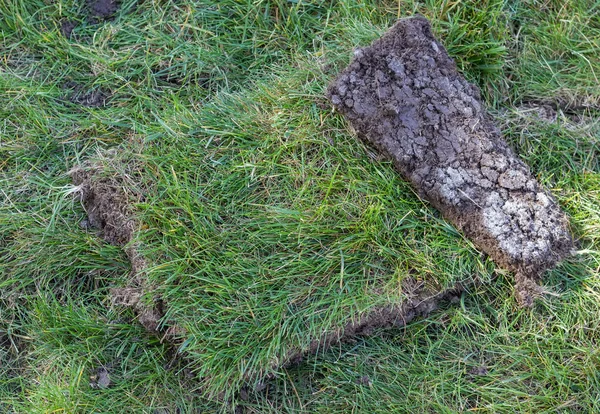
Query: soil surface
{"points": [[102, 9], [404, 95], [77, 94], [100, 379], [66, 28], [108, 207]]}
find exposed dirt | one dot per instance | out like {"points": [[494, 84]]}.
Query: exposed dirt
{"points": [[100, 379], [78, 94], [66, 28], [102, 9], [106, 204], [404, 95], [96, 11], [108, 201]]}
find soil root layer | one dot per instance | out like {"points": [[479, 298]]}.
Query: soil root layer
{"points": [[404, 95]]}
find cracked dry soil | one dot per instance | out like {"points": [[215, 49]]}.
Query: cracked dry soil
{"points": [[404, 95]]}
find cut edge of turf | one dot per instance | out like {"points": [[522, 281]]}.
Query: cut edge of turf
{"points": [[108, 196], [419, 303]]}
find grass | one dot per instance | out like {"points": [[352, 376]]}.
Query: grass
{"points": [[283, 238], [267, 222]]}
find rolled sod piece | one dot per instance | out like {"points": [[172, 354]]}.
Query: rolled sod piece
{"points": [[404, 95]]}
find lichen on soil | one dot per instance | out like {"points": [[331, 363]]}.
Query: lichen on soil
{"points": [[404, 95]]}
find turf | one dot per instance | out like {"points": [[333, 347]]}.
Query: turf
{"points": [[267, 222]]}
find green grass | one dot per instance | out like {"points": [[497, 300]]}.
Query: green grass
{"points": [[284, 238], [266, 222]]}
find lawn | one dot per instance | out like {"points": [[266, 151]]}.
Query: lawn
{"points": [[255, 222]]}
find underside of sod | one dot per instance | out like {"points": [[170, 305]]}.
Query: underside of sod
{"points": [[404, 95], [275, 234]]}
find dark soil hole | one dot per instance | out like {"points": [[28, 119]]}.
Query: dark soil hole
{"points": [[67, 27]]}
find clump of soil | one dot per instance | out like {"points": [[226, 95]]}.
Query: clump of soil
{"points": [[102, 9], [108, 200], [404, 95]]}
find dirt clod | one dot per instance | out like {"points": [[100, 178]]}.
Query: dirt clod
{"points": [[66, 28], [404, 95], [102, 9]]}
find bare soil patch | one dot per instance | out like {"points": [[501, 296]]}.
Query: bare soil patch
{"points": [[67, 27], [102, 9], [90, 98], [404, 95], [96, 11]]}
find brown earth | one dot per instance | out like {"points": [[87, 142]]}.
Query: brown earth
{"points": [[97, 10], [67, 27], [102, 9], [90, 98], [404, 95]]}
